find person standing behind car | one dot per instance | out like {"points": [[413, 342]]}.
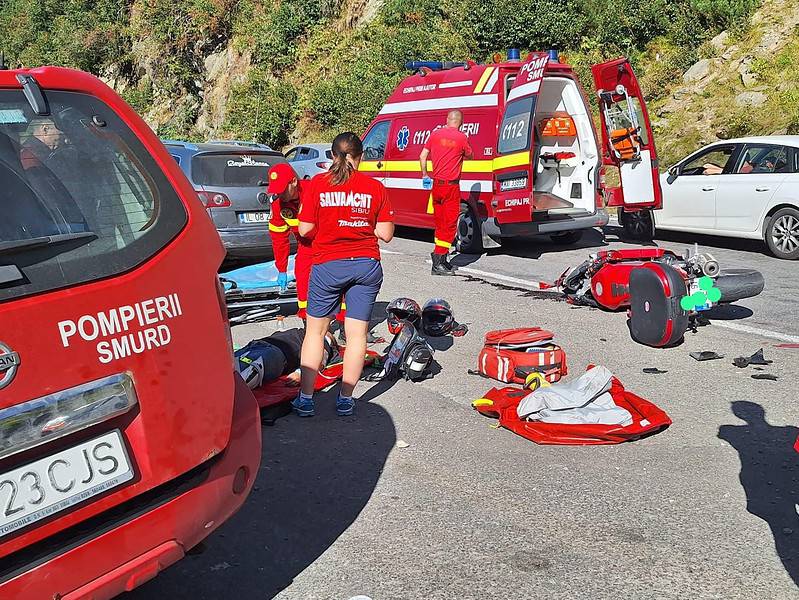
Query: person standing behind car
{"points": [[447, 147], [345, 212]]}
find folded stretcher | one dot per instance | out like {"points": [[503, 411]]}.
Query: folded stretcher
{"points": [[253, 295]]}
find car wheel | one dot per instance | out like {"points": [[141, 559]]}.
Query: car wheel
{"points": [[567, 238], [638, 225], [782, 234], [470, 233]]}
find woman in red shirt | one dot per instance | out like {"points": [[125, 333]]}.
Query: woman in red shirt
{"points": [[345, 212]]}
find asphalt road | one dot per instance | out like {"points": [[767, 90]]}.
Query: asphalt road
{"points": [[705, 509]]}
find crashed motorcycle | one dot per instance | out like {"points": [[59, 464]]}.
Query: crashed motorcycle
{"points": [[664, 292]]}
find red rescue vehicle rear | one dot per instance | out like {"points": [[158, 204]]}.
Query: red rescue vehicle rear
{"points": [[126, 437], [538, 162]]}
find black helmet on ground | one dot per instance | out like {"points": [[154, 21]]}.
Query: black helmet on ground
{"points": [[437, 318], [402, 310]]}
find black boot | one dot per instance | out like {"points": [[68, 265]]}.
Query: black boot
{"points": [[447, 264], [439, 265]]}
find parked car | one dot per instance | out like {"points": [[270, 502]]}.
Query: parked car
{"points": [[242, 143], [126, 435], [230, 180], [744, 188], [310, 159]]}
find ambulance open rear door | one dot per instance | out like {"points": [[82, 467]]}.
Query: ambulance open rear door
{"points": [[627, 140]]}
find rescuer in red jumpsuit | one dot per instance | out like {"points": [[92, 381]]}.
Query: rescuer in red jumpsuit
{"points": [[447, 148], [287, 191]]}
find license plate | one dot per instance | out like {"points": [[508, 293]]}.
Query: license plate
{"points": [[50, 485], [254, 217]]}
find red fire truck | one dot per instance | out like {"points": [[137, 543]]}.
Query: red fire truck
{"points": [[538, 165], [126, 436]]}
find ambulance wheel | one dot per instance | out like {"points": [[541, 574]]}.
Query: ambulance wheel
{"points": [[470, 234], [567, 238], [782, 234], [638, 225]]}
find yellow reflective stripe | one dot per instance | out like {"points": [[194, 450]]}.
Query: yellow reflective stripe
{"points": [[478, 166], [343, 306], [430, 210], [512, 160], [278, 228], [292, 222], [369, 165], [442, 243], [302, 304], [483, 402], [483, 79]]}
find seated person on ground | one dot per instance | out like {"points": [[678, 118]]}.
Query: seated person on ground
{"points": [[266, 359]]}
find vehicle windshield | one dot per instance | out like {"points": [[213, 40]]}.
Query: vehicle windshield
{"points": [[514, 133], [231, 169], [81, 197]]}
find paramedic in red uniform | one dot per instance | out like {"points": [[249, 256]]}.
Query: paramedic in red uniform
{"points": [[287, 189], [345, 212], [447, 148]]}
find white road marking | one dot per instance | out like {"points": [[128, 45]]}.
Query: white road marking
{"points": [[384, 251], [535, 285], [775, 335]]}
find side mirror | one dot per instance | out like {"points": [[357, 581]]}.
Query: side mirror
{"points": [[673, 174]]}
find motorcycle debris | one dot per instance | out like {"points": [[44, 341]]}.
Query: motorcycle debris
{"points": [[653, 371], [767, 376], [706, 355], [756, 359]]}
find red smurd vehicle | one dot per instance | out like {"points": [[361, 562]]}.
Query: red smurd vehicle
{"points": [[538, 165], [126, 436]]}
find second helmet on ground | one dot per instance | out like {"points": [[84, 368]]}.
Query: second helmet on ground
{"points": [[437, 318], [402, 310]]}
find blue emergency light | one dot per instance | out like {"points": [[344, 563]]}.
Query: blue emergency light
{"points": [[553, 55], [433, 65], [514, 55]]}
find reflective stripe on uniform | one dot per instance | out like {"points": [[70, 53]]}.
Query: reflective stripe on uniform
{"points": [[292, 222], [442, 243], [278, 228], [302, 304], [343, 306]]}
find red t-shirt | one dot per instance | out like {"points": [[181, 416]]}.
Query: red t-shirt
{"points": [[345, 216], [448, 147]]}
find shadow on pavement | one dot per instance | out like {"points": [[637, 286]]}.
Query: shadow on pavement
{"points": [[728, 312], [316, 476], [769, 469]]}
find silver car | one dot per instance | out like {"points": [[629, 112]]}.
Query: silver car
{"points": [[310, 159]]}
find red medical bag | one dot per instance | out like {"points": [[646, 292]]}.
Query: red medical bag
{"points": [[510, 355], [656, 318]]}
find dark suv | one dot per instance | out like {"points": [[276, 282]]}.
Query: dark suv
{"points": [[230, 179]]}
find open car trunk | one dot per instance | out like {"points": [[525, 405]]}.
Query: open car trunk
{"points": [[565, 150]]}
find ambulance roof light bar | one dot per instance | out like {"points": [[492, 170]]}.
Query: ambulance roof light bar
{"points": [[514, 55], [433, 65]]}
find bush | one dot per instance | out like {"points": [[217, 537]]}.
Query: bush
{"points": [[262, 109], [724, 13]]}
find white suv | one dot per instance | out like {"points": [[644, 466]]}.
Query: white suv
{"points": [[745, 188]]}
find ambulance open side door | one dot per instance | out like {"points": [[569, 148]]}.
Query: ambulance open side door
{"points": [[627, 140], [513, 169]]}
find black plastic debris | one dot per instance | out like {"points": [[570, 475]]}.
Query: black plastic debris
{"points": [[653, 371], [756, 359], [706, 355], [767, 376]]}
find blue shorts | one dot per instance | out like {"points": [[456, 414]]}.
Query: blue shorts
{"points": [[357, 280]]}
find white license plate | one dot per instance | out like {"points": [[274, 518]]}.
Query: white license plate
{"points": [[254, 217], [50, 485]]}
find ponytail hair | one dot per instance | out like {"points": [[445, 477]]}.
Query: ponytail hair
{"points": [[346, 144]]}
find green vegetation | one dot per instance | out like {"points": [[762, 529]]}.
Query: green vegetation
{"points": [[317, 67]]}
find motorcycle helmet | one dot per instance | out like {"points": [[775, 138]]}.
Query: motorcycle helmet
{"points": [[402, 310], [416, 362], [437, 318]]}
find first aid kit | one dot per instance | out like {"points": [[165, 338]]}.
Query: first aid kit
{"points": [[512, 355]]}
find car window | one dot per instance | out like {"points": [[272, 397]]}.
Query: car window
{"points": [[291, 155], [374, 144], [329, 154], [176, 157], [514, 132], [763, 159], [712, 161], [313, 153], [226, 169], [79, 173]]}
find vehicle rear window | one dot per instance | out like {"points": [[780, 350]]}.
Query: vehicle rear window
{"points": [[514, 133], [232, 169], [82, 175]]}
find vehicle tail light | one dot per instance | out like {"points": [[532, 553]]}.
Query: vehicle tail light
{"points": [[43, 419], [213, 199], [324, 165], [220, 293], [602, 177]]}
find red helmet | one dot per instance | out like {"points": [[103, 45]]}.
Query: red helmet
{"points": [[402, 310]]}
